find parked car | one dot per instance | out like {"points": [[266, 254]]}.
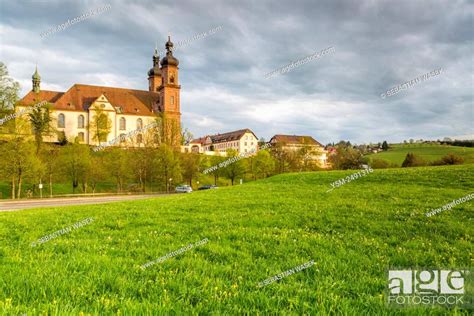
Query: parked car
{"points": [[207, 187], [184, 189]]}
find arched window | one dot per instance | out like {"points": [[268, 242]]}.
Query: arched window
{"points": [[122, 124], [139, 138], [139, 123], [80, 121], [61, 121], [80, 137]]}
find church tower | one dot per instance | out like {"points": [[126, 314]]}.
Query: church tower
{"points": [[170, 97], [154, 74], [36, 81]]}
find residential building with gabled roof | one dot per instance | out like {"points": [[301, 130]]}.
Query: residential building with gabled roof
{"points": [[243, 141], [313, 149]]}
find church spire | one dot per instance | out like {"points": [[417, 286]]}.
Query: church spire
{"points": [[36, 81], [154, 74], [156, 57], [169, 46]]}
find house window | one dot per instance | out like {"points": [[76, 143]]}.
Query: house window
{"points": [[139, 138], [80, 137], [80, 121], [139, 123], [122, 138], [122, 124], [61, 121], [245, 143]]}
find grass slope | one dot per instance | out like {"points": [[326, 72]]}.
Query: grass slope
{"points": [[429, 152], [255, 231]]}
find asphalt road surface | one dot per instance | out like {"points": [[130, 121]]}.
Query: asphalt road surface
{"points": [[37, 203]]}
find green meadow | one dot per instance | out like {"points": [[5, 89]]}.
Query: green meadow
{"points": [[255, 231], [429, 152]]}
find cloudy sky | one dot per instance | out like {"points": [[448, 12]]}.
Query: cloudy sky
{"points": [[378, 45]]}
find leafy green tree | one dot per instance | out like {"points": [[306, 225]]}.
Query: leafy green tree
{"points": [[22, 163], [190, 163], [186, 137], [346, 157], [96, 172], [9, 89], [412, 160], [307, 157], [41, 124], [142, 165], [216, 172], [100, 125], [170, 131], [385, 145], [76, 161], [117, 163], [50, 158], [234, 169], [264, 164], [281, 157], [167, 167], [251, 166]]}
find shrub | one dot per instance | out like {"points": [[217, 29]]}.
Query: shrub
{"points": [[377, 163], [412, 160], [449, 159]]}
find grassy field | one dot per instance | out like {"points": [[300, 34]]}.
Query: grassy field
{"points": [[255, 231], [428, 152]]}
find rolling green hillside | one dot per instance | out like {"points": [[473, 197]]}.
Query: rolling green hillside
{"points": [[428, 152], [255, 231]]}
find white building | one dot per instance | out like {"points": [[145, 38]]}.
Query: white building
{"points": [[243, 141]]}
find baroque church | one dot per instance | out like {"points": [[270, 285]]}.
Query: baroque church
{"points": [[75, 111]]}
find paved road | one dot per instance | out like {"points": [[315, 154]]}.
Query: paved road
{"points": [[26, 204]]}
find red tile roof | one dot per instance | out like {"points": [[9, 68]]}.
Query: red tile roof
{"points": [[295, 139], [230, 136], [201, 140], [79, 97], [226, 137], [32, 98]]}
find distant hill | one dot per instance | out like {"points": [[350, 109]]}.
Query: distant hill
{"points": [[429, 152]]}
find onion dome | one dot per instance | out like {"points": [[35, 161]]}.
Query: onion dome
{"points": [[156, 70], [169, 59]]}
